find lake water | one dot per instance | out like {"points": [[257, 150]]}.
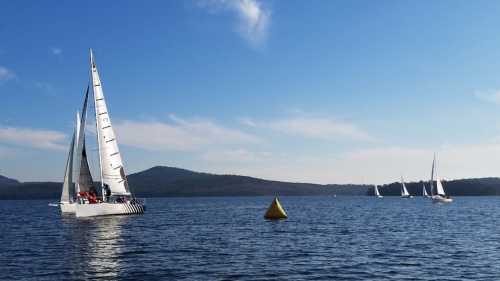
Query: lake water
{"points": [[325, 238]]}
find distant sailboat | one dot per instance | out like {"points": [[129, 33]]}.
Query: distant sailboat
{"points": [[439, 196], [404, 191], [116, 196], [424, 192], [376, 191]]}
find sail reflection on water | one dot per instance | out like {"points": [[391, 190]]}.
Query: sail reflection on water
{"points": [[98, 245]]}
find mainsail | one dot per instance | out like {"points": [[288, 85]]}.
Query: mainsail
{"points": [[404, 191], [112, 172], [83, 182], [67, 194]]}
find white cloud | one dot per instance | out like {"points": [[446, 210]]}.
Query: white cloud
{"points": [[6, 74], [180, 134], [488, 96], [56, 51], [322, 128], [253, 18], [36, 138]]}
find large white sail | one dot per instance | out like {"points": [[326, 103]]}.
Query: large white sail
{"points": [[404, 191], [67, 194], [112, 172], [375, 188]]}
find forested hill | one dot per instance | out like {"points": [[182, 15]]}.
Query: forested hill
{"points": [[168, 181]]}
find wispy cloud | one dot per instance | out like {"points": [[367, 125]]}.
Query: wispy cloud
{"points": [[313, 127], [35, 138], [56, 51], [6, 74], [491, 96], [45, 87], [180, 134], [253, 18]]}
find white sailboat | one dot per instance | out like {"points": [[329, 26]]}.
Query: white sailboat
{"points": [[439, 196], [424, 192], [377, 192], [116, 196], [404, 191]]}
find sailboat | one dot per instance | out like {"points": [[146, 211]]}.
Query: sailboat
{"points": [[77, 177], [117, 199], [376, 191], [439, 196], [404, 191], [424, 192]]}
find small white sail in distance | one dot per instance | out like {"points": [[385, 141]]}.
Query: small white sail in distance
{"points": [[424, 192], [404, 191], [439, 187], [376, 191]]}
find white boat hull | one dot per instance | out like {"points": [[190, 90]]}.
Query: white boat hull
{"points": [[441, 199], [406, 196], [379, 196], [108, 209], [67, 208]]}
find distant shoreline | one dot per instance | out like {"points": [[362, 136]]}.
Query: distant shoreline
{"points": [[161, 181]]}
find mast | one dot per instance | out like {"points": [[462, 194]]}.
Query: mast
{"points": [[98, 135], [78, 156], [432, 175]]}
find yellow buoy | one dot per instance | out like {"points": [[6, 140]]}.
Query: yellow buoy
{"points": [[275, 211]]}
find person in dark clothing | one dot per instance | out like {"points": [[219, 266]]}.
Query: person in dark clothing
{"points": [[107, 192]]}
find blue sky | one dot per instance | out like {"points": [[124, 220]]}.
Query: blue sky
{"points": [[323, 91]]}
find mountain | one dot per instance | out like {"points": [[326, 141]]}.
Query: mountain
{"points": [[168, 181]]}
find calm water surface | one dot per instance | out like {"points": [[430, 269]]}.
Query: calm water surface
{"points": [[325, 238]]}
